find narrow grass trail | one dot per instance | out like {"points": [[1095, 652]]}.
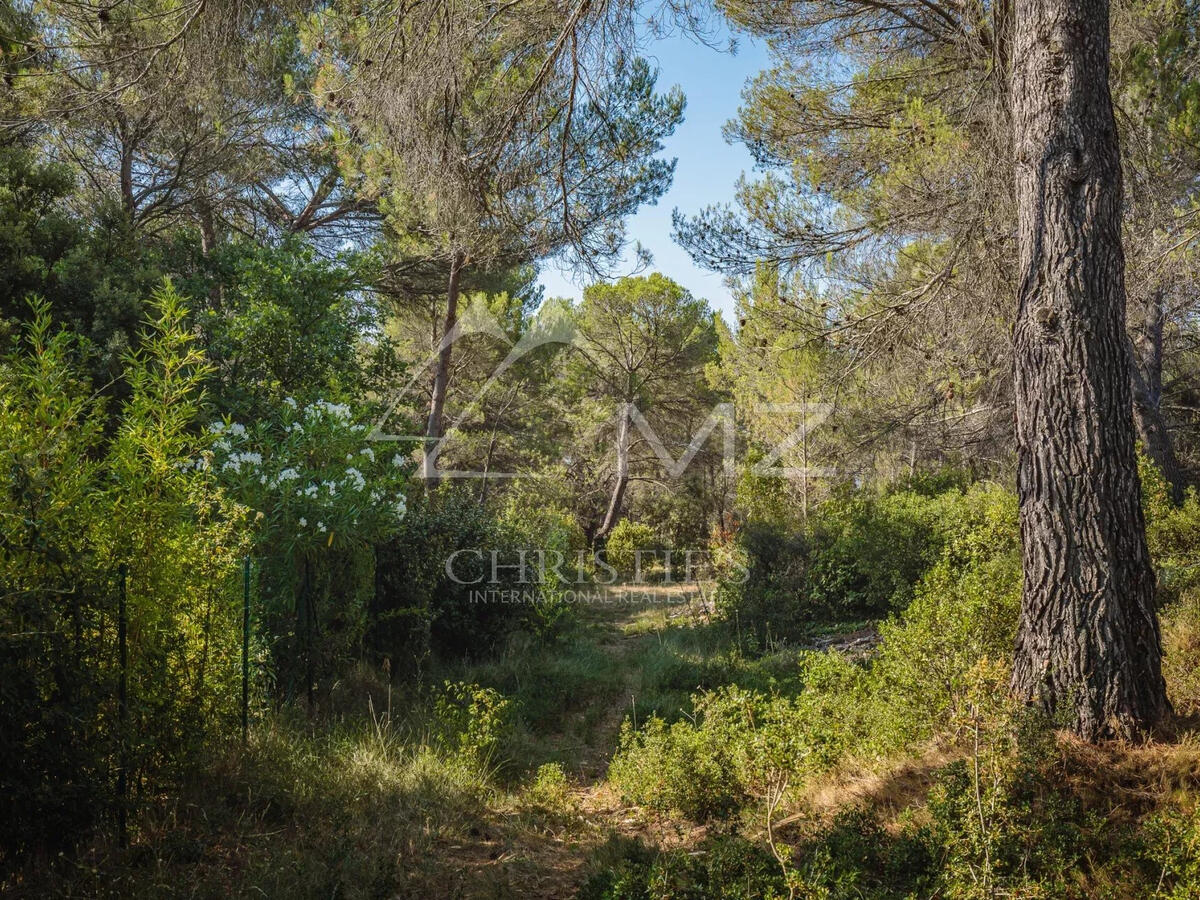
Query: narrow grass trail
{"points": [[636, 651]]}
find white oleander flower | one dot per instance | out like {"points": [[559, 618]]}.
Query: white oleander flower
{"points": [[357, 477]]}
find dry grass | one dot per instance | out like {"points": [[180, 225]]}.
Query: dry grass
{"points": [[1130, 781], [888, 788]]}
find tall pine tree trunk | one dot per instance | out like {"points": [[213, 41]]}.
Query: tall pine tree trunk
{"points": [[441, 375], [1088, 642]]}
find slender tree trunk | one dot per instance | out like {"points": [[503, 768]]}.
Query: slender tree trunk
{"points": [[622, 476], [208, 227], [487, 467], [441, 375], [1088, 642], [1147, 392], [208, 243], [128, 201]]}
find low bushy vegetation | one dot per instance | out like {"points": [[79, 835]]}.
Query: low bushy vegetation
{"points": [[1018, 814], [860, 556], [962, 615], [1004, 808], [350, 811], [625, 545]]}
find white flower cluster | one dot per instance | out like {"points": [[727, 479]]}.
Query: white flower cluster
{"points": [[365, 451], [339, 411], [288, 474], [330, 500], [237, 460]]}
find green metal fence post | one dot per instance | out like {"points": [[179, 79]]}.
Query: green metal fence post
{"points": [[122, 711], [245, 650]]}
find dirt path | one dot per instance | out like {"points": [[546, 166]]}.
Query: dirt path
{"points": [[530, 854], [628, 623]]}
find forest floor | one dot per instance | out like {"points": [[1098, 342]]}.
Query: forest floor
{"points": [[366, 800], [358, 803], [633, 653], [644, 643]]}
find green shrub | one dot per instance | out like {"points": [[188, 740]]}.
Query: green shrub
{"points": [[678, 768], [1173, 846], [964, 612], [550, 790], [1001, 823], [80, 504], [861, 556], [625, 541], [323, 496], [1172, 533], [417, 610], [472, 721], [1181, 653], [552, 541], [739, 746], [729, 868], [854, 856]]}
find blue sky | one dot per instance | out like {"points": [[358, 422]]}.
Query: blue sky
{"points": [[707, 167]]}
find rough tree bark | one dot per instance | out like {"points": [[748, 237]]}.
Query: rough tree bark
{"points": [[441, 375], [1088, 643], [1151, 426]]}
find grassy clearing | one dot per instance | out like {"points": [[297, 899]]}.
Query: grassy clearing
{"points": [[408, 794]]}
